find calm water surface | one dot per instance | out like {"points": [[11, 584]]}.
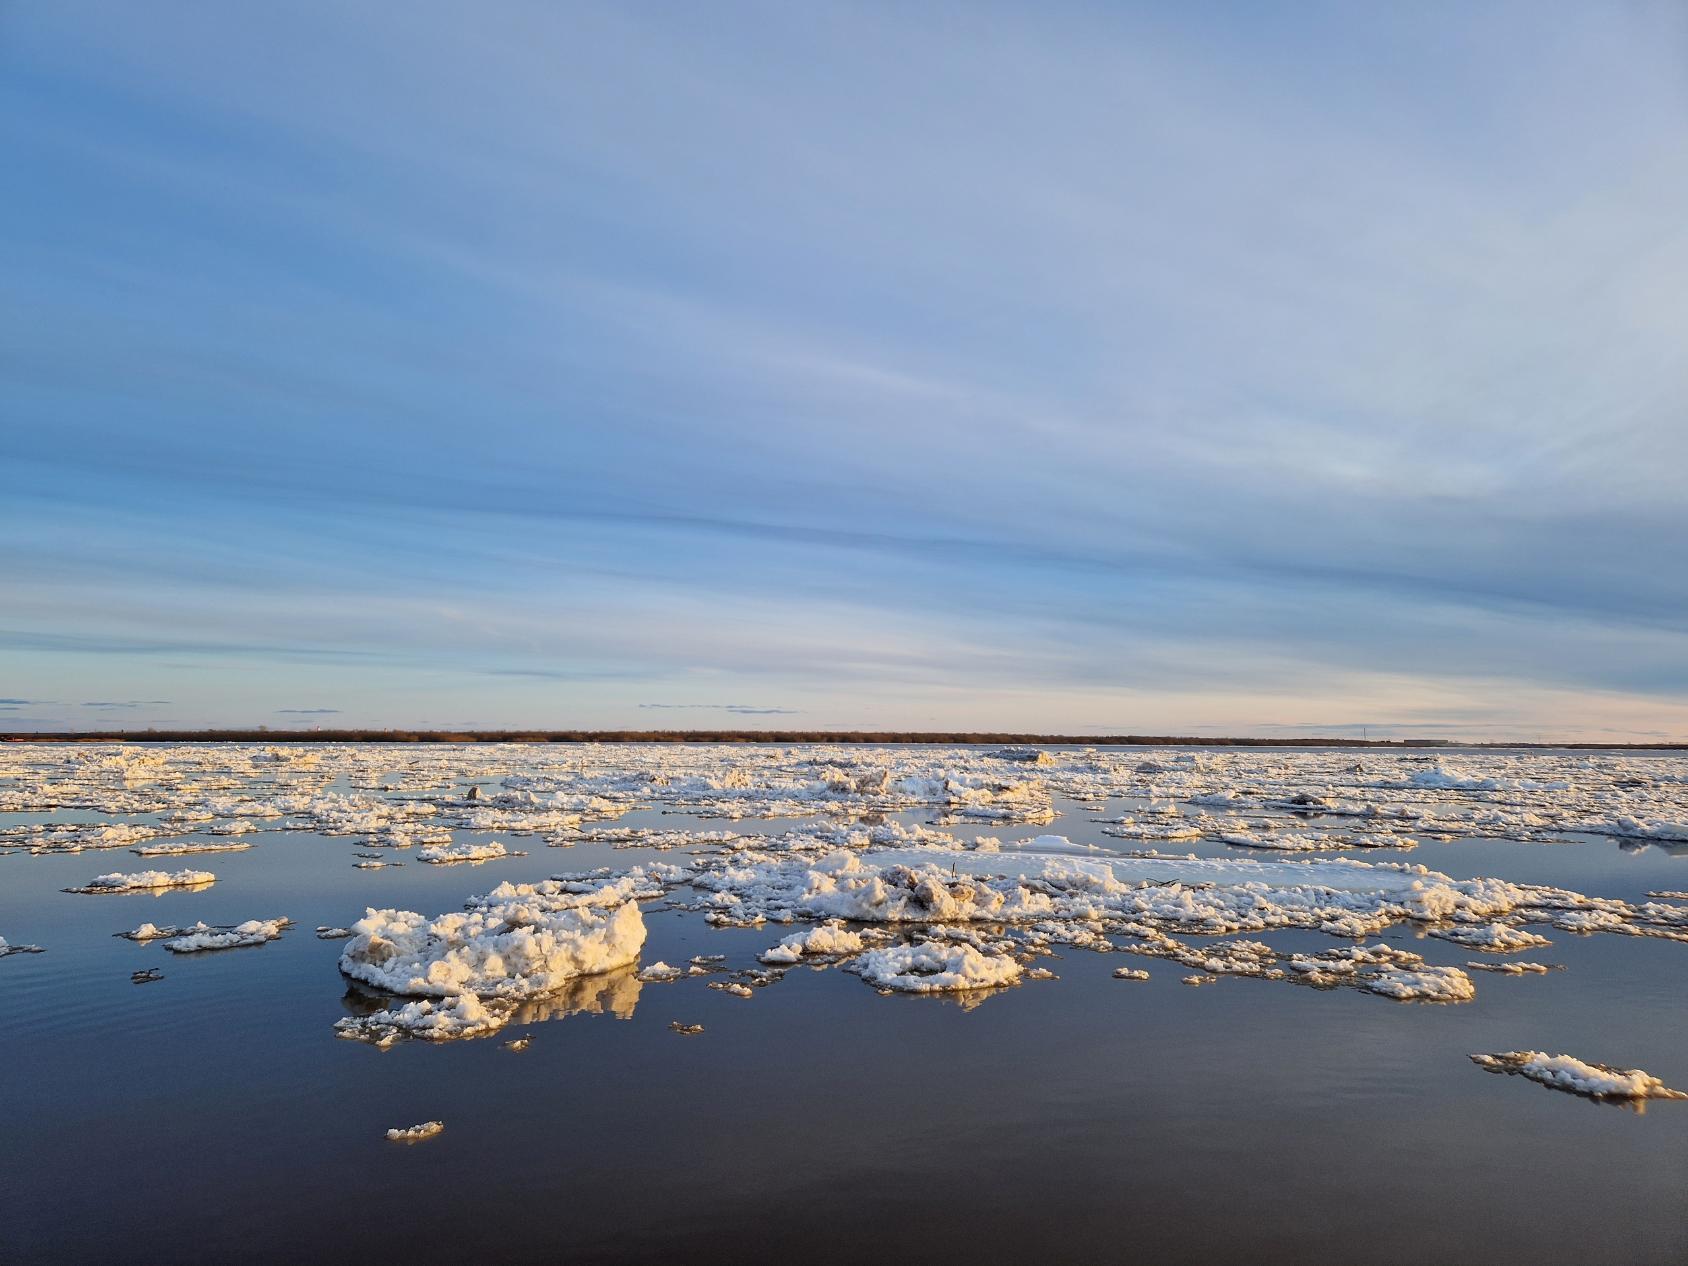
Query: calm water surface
{"points": [[214, 1116]]}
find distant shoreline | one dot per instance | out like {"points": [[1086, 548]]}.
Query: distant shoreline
{"points": [[941, 738]]}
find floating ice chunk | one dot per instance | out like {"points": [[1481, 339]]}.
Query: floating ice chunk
{"points": [[660, 971], [1514, 968], [7, 948], [1130, 973], [1383, 969], [511, 948], [450, 854], [152, 932], [689, 1030], [934, 968], [1497, 938], [824, 938], [415, 1133], [1593, 1081], [242, 935], [146, 881], [462, 1015], [192, 846], [1421, 984], [333, 934]]}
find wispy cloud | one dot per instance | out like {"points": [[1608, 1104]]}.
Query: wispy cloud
{"points": [[741, 709], [1076, 357], [307, 712]]}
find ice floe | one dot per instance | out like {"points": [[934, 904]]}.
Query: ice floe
{"points": [[824, 939], [468, 969], [512, 948], [1564, 1072], [146, 881], [240, 936], [935, 967], [430, 1019], [451, 854], [192, 846]]}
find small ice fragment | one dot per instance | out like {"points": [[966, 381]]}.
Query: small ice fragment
{"points": [[451, 854], [660, 971], [241, 936], [192, 846], [687, 1029], [431, 1020], [1130, 973], [145, 977], [1514, 968], [415, 1133]]}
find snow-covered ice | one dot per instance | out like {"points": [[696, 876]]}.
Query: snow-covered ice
{"points": [[415, 1133], [451, 854], [935, 967], [240, 936], [1567, 1073], [146, 881]]}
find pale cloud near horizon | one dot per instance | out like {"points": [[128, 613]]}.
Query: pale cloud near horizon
{"points": [[983, 366]]}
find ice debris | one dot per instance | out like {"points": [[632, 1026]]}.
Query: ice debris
{"points": [[240, 936], [452, 854], [935, 967], [1564, 1072], [831, 938], [192, 846], [415, 1133]]}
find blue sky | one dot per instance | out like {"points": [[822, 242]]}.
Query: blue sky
{"points": [[1151, 367]]}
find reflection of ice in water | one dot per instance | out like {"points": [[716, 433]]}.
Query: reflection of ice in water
{"points": [[614, 993], [382, 1019]]}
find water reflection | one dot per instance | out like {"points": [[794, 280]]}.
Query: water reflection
{"points": [[613, 993]]}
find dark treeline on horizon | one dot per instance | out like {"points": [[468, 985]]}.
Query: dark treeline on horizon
{"points": [[262, 735]]}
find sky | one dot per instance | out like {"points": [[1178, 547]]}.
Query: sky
{"points": [[1151, 368]]}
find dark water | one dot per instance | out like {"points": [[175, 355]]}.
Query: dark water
{"points": [[213, 1116]]}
